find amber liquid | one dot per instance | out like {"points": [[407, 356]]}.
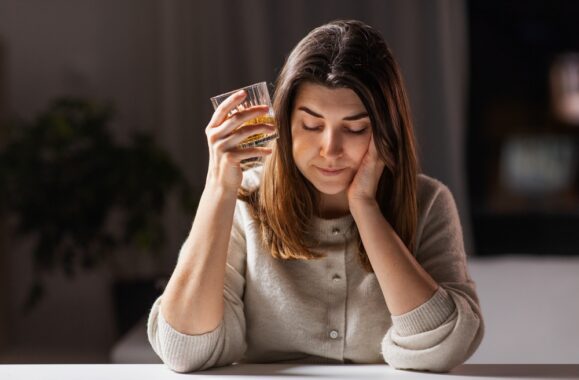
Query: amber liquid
{"points": [[259, 139]]}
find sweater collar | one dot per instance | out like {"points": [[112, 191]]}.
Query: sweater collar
{"points": [[333, 230]]}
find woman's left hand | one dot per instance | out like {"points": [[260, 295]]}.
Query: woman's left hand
{"points": [[362, 189]]}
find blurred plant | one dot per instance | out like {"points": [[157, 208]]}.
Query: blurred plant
{"points": [[66, 181]]}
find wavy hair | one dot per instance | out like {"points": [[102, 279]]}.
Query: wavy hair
{"points": [[340, 54]]}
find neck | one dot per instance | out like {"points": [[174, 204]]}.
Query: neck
{"points": [[333, 206]]}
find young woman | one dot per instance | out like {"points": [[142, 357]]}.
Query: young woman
{"points": [[337, 250]]}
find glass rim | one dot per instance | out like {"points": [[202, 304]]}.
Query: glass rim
{"points": [[228, 93]]}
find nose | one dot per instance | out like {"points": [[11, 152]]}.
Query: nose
{"points": [[332, 146]]}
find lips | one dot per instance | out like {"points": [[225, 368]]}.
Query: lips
{"points": [[330, 171]]}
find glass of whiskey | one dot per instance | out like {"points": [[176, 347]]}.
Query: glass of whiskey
{"points": [[257, 94]]}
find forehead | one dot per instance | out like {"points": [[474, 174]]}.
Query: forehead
{"points": [[321, 98]]}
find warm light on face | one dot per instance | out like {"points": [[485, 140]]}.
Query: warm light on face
{"points": [[331, 132]]}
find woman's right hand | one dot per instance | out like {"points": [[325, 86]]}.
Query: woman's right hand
{"points": [[223, 138]]}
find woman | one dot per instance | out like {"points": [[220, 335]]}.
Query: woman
{"points": [[337, 250]]}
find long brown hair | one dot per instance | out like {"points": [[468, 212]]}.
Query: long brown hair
{"points": [[340, 54]]}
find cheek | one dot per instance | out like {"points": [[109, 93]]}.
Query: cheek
{"points": [[302, 147], [358, 149]]}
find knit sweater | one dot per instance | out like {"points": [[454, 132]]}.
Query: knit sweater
{"points": [[331, 310]]}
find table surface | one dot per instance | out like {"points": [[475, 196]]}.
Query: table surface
{"points": [[293, 372]]}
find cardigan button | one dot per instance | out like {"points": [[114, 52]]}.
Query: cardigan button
{"points": [[334, 334]]}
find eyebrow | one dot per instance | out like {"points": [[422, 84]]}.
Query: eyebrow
{"points": [[357, 116]]}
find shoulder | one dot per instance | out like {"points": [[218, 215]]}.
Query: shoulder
{"points": [[428, 188], [438, 218], [435, 200], [439, 243]]}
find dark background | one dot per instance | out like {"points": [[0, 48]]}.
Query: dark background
{"points": [[512, 46]]}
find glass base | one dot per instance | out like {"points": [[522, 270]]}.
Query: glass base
{"points": [[250, 163]]}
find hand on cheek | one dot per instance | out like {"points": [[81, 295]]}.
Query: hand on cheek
{"points": [[365, 182]]}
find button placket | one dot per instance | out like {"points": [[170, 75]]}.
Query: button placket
{"points": [[337, 307]]}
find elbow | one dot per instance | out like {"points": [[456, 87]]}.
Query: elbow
{"points": [[440, 357], [180, 367], [182, 353], [434, 365], [200, 355], [198, 364], [438, 362], [187, 365], [181, 361], [190, 357]]}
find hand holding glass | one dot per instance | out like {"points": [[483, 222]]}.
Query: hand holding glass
{"points": [[257, 94]]}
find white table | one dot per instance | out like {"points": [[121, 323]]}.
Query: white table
{"points": [[285, 371]]}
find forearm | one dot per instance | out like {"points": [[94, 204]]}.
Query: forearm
{"points": [[404, 283], [193, 298]]}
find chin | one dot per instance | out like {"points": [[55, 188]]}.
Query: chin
{"points": [[330, 188], [334, 191]]}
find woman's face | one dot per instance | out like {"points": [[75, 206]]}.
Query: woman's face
{"points": [[331, 133]]}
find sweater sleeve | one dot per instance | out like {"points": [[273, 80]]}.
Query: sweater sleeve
{"points": [[446, 330], [222, 346]]}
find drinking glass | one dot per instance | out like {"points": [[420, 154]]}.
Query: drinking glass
{"points": [[257, 94]]}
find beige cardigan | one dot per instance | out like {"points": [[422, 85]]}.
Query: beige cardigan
{"points": [[330, 310]]}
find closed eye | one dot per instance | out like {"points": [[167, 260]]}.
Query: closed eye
{"points": [[358, 132], [311, 128]]}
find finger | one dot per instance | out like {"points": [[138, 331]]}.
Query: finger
{"points": [[240, 117], [250, 130], [226, 107], [247, 153]]}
